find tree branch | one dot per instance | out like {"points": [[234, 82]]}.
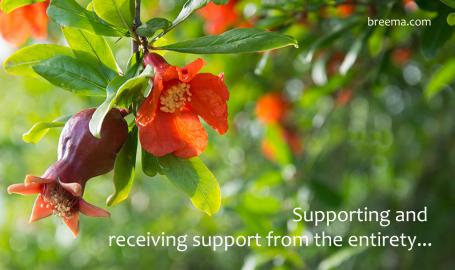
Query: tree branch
{"points": [[136, 23]]}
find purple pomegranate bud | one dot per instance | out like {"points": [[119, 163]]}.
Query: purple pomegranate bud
{"points": [[81, 156]]}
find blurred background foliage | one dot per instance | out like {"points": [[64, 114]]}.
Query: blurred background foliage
{"points": [[366, 136]]}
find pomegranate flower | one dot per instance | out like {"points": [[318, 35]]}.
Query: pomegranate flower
{"points": [[25, 22], [58, 198], [272, 108], [219, 18], [168, 119], [81, 157]]}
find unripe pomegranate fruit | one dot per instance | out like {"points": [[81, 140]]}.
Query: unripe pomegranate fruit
{"points": [[81, 156]]}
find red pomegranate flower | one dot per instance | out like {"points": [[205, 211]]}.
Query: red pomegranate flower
{"points": [[25, 22], [168, 119], [346, 9], [59, 198], [272, 108], [81, 157], [219, 18]]}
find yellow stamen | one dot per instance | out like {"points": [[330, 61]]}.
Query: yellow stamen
{"points": [[175, 97]]}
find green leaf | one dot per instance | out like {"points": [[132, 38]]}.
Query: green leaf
{"points": [[450, 3], [451, 19], [83, 42], [119, 91], [73, 75], [40, 129], [189, 7], [435, 35], [149, 28], [22, 61], [242, 40], [10, 5], [195, 179], [376, 41], [70, 13], [150, 164], [442, 77], [124, 169], [117, 12]]}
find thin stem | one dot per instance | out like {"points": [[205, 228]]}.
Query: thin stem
{"points": [[136, 23]]}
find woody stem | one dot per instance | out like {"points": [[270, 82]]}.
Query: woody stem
{"points": [[137, 40]]}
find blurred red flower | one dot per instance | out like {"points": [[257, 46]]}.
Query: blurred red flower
{"points": [[219, 18], [346, 9], [168, 119], [272, 108], [401, 56], [25, 22]]}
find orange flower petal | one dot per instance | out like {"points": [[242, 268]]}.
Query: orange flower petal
{"points": [[188, 72], [40, 210], [209, 96], [12, 27], [92, 210], [147, 110], [73, 223], [160, 137], [36, 16], [25, 189], [192, 133]]}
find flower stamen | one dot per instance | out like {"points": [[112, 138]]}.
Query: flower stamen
{"points": [[175, 97], [60, 200]]}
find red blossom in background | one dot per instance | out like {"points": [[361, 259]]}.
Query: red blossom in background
{"points": [[401, 56], [346, 9], [219, 18], [168, 119], [272, 108], [25, 22]]}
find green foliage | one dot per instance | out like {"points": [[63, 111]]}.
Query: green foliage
{"points": [[242, 40], [22, 61], [150, 164], [195, 179], [85, 43], [369, 136], [119, 13], [149, 28], [70, 13], [124, 168], [73, 75], [441, 78], [436, 35], [40, 129], [121, 91]]}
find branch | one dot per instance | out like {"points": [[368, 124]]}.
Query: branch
{"points": [[136, 23]]}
